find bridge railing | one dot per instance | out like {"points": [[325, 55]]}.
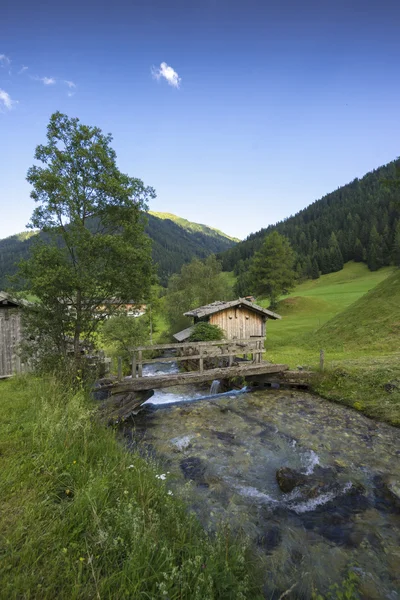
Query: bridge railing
{"points": [[199, 351]]}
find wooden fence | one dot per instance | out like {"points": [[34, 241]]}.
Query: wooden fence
{"points": [[198, 351], [10, 338]]}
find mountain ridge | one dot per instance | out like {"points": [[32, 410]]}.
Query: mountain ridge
{"points": [[174, 243], [193, 226]]}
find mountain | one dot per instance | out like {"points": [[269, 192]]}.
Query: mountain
{"points": [[359, 221], [176, 241]]}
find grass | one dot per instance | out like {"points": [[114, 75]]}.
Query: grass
{"points": [[354, 315], [81, 517], [315, 302]]}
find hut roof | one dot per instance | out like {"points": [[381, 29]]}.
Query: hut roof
{"points": [[7, 300], [184, 334], [215, 307]]}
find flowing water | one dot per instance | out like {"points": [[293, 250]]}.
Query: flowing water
{"points": [[222, 454]]}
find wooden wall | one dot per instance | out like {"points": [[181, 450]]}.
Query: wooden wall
{"points": [[10, 337], [239, 323]]}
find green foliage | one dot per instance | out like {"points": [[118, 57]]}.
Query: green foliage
{"points": [[271, 269], [81, 517], [198, 283], [350, 213], [206, 332], [94, 249], [121, 333]]}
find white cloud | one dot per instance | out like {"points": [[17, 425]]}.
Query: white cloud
{"points": [[22, 70], [6, 100], [47, 80], [4, 60], [70, 94], [168, 73], [70, 84]]}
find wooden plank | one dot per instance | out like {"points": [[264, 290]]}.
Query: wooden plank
{"points": [[134, 365], [140, 364], [201, 362], [192, 344], [151, 383], [119, 368]]}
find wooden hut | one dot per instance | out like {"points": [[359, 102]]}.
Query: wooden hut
{"points": [[10, 334], [239, 319]]}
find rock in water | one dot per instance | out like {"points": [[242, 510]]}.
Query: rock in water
{"points": [[193, 468], [288, 479]]}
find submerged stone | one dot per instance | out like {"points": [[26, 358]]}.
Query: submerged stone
{"points": [[288, 479], [193, 468], [271, 539]]}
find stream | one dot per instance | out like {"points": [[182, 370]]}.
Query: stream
{"points": [[221, 453]]}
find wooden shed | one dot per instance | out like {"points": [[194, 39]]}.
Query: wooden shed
{"points": [[239, 319], [10, 334]]}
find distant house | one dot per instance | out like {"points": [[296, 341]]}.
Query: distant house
{"points": [[239, 319], [10, 334]]}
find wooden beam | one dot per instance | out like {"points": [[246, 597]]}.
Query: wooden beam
{"points": [[191, 344], [151, 383]]}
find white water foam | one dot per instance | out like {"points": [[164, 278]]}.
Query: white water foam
{"points": [[157, 369], [181, 443], [252, 492], [312, 504], [310, 460]]}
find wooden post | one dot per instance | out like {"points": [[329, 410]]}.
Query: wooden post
{"points": [[119, 368], [140, 365], [134, 365], [321, 360], [201, 360], [231, 360]]}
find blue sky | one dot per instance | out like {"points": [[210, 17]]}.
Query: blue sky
{"points": [[268, 106]]}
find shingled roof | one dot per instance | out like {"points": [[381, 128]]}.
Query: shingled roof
{"points": [[214, 307]]}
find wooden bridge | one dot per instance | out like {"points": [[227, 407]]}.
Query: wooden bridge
{"points": [[206, 360]]}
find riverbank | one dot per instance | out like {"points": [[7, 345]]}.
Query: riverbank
{"points": [[368, 383], [81, 517]]}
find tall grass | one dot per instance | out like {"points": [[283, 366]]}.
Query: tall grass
{"points": [[83, 518]]}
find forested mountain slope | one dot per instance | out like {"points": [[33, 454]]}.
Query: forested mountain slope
{"points": [[359, 221], [175, 242]]}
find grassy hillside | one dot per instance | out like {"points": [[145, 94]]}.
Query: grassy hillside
{"points": [[372, 322], [314, 302], [175, 242]]}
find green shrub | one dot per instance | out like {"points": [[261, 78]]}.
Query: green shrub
{"points": [[205, 332]]}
